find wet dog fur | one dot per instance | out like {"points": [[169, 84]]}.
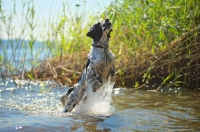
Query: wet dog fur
{"points": [[99, 67]]}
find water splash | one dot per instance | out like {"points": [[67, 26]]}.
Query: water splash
{"points": [[27, 98], [96, 103]]}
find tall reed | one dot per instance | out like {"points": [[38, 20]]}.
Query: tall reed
{"points": [[65, 34], [144, 28]]}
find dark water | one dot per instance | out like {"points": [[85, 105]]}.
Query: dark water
{"points": [[35, 106]]}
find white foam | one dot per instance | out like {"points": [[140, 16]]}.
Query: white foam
{"points": [[96, 103]]}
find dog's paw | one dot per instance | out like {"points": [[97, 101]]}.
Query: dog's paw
{"points": [[69, 107], [65, 110], [64, 97], [63, 100]]}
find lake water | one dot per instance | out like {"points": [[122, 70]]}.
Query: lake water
{"points": [[35, 106], [20, 56]]}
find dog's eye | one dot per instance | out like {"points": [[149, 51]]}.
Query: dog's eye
{"points": [[104, 25]]}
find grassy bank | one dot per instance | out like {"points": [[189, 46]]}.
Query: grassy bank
{"points": [[156, 44]]}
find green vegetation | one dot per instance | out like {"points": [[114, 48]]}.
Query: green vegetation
{"points": [[156, 42]]}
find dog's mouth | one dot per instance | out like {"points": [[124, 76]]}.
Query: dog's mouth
{"points": [[106, 25]]}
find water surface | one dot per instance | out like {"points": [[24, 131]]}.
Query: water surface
{"points": [[33, 106]]}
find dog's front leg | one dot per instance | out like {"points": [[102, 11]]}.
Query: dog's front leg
{"points": [[74, 97], [93, 79]]}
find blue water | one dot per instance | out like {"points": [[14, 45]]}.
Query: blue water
{"points": [[35, 106], [20, 54]]}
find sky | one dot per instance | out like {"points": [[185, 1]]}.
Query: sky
{"points": [[44, 10]]}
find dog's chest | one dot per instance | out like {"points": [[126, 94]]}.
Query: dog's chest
{"points": [[100, 56]]}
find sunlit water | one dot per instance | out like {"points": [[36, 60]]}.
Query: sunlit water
{"points": [[96, 103], [20, 55], [34, 106]]}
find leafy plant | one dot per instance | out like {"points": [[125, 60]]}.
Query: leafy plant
{"points": [[172, 80], [147, 75]]}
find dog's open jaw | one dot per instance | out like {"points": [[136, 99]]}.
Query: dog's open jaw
{"points": [[106, 28]]}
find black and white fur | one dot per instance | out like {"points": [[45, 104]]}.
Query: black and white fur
{"points": [[99, 67]]}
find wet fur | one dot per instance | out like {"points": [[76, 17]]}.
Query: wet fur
{"points": [[99, 67]]}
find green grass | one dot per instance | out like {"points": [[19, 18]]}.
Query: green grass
{"points": [[150, 23], [143, 30]]}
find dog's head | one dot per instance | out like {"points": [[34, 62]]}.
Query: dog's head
{"points": [[100, 30]]}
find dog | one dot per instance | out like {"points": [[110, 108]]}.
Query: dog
{"points": [[99, 67]]}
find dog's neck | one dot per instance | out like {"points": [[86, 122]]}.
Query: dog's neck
{"points": [[101, 43]]}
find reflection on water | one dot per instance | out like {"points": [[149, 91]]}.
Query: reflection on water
{"points": [[24, 107]]}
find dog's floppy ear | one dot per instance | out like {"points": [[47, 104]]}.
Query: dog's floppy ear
{"points": [[98, 24], [91, 32], [95, 32]]}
